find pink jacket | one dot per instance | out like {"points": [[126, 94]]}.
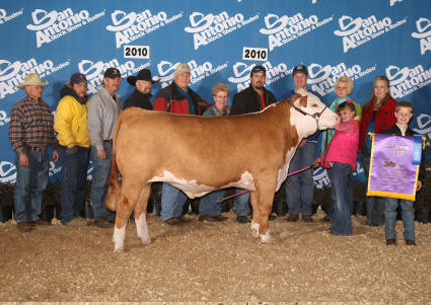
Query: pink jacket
{"points": [[344, 145]]}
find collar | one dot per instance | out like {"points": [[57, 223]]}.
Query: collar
{"points": [[402, 129]]}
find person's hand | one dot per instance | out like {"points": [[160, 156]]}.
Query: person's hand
{"points": [[23, 160], [302, 144], [419, 185], [55, 155], [101, 154], [316, 163], [72, 150]]}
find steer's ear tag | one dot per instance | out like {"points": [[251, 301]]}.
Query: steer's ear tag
{"points": [[303, 101]]}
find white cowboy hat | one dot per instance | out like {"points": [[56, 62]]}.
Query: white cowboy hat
{"points": [[32, 79]]}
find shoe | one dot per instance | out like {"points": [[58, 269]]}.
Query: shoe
{"points": [[307, 218], [39, 222], [410, 242], [183, 219], [272, 217], [213, 218], [243, 219], [326, 218], [24, 226], [76, 222], [292, 218], [101, 222], [391, 241], [370, 223], [173, 221]]}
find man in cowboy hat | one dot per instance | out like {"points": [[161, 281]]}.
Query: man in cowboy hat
{"points": [[31, 132], [104, 107], [74, 147], [142, 94]]}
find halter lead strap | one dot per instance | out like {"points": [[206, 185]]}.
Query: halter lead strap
{"points": [[315, 116]]}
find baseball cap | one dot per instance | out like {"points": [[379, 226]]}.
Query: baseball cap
{"points": [[257, 68], [77, 78], [112, 73], [300, 69]]}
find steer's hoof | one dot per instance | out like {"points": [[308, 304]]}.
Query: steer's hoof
{"points": [[255, 229], [118, 249], [266, 238], [145, 241]]}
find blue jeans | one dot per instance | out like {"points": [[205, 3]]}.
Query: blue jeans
{"points": [[241, 204], [172, 202], [375, 205], [300, 187], [209, 204], [73, 181], [99, 183], [30, 183], [407, 213], [340, 175]]}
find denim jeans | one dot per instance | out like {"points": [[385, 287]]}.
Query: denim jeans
{"points": [[73, 181], [407, 213], [340, 175], [30, 183], [209, 204], [375, 205], [172, 202], [241, 204], [99, 183], [300, 187]]}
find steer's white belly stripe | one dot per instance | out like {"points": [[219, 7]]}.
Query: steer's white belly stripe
{"points": [[193, 189]]}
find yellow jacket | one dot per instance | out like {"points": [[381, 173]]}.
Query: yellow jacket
{"points": [[71, 123]]}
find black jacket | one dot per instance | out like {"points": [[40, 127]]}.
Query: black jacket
{"points": [[248, 101], [138, 99]]}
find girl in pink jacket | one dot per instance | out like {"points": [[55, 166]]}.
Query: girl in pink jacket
{"points": [[340, 161]]}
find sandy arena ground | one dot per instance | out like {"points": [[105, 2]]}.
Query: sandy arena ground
{"points": [[214, 262]]}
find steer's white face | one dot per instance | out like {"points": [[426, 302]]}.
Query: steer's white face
{"points": [[327, 119]]}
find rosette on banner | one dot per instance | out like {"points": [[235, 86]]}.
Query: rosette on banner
{"points": [[394, 166]]}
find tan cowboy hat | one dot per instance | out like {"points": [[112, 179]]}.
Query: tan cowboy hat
{"points": [[32, 79]]}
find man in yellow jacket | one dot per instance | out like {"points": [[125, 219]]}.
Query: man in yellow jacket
{"points": [[74, 147]]}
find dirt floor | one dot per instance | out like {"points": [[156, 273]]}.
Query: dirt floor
{"points": [[214, 262]]}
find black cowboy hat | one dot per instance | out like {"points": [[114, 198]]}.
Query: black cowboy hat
{"points": [[144, 74]]}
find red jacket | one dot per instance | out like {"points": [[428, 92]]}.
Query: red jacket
{"points": [[384, 119], [170, 99]]}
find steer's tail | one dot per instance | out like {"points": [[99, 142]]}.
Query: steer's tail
{"points": [[113, 184]]}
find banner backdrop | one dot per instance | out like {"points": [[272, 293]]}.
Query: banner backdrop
{"points": [[221, 40]]}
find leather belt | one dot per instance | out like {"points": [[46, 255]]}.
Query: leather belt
{"points": [[108, 141], [39, 149]]}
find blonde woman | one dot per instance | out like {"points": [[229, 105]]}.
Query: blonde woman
{"points": [[378, 114], [342, 88]]}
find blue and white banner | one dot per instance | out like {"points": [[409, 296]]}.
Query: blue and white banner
{"points": [[221, 40]]}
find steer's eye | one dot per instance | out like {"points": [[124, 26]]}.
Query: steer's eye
{"points": [[315, 106]]}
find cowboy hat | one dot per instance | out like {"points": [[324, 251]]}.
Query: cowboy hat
{"points": [[144, 74], [32, 79]]}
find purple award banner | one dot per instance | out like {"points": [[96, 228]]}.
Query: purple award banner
{"points": [[392, 172]]}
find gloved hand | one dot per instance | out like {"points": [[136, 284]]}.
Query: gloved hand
{"points": [[72, 150]]}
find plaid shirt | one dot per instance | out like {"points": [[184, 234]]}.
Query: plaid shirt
{"points": [[31, 124]]}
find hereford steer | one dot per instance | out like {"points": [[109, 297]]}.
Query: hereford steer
{"points": [[201, 154]]}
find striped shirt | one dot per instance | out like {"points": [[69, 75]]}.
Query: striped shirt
{"points": [[31, 124]]}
